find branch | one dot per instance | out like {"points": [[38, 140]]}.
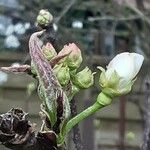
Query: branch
{"points": [[140, 13], [18, 69], [146, 144], [111, 18], [76, 130], [65, 10]]}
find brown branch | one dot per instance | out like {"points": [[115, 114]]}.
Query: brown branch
{"points": [[146, 144], [76, 131], [65, 10], [112, 18], [140, 4], [18, 69], [140, 13]]}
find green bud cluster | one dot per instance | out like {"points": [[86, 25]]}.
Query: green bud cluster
{"points": [[66, 69], [44, 17]]}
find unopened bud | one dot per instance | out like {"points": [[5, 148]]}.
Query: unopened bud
{"points": [[49, 51], [62, 74], [84, 79], [44, 17], [74, 59]]}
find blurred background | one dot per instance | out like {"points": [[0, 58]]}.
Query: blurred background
{"points": [[101, 29]]}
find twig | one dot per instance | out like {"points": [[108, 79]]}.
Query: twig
{"points": [[112, 18], [140, 13], [146, 144], [17, 69], [76, 130], [65, 10]]}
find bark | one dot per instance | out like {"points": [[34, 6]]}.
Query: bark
{"points": [[76, 131], [146, 144]]}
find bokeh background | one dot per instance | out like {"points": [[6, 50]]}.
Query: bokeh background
{"points": [[101, 29]]}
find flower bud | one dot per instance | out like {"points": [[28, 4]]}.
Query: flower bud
{"points": [[30, 88], [49, 51], [120, 74], [84, 79], [74, 59], [62, 74], [44, 17]]}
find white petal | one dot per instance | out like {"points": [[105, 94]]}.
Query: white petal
{"points": [[138, 61], [124, 65], [122, 83], [109, 72]]}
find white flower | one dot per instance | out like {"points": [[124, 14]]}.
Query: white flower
{"points": [[121, 72], [127, 65]]}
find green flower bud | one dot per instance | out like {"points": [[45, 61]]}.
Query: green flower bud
{"points": [[49, 51], [44, 17], [74, 59], [30, 88], [84, 79], [62, 74]]}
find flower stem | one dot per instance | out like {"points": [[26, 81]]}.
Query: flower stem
{"points": [[89, 111], [102, 101]]}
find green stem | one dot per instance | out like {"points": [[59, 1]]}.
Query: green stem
{"points": [[89, 111], [102, 101]]}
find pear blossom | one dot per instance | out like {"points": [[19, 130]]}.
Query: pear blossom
{"points": [[121, 73], [127, 65], [74, 59]]}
